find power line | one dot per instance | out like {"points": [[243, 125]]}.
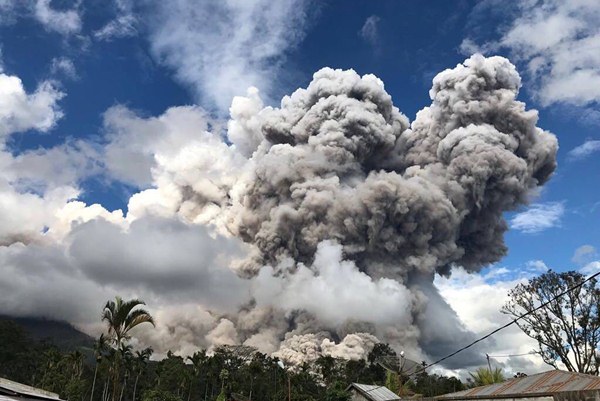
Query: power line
{"points": [[543, 305]]}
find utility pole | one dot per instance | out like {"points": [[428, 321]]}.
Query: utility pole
{"points": [[489, 364]]}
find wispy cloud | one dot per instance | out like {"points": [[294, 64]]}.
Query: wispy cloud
{"points": [[221, 48], [538, 217], [63, 66], [558, 43], [536, 266], [370, 30], [123, 25], [61, 21], [584, 254], [584, 150]]}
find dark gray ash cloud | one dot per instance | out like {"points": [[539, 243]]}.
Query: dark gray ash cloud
{"points": [[333, 209]]}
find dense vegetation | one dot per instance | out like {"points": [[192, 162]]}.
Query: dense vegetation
{"points": [[567, 329], [112, 371]]}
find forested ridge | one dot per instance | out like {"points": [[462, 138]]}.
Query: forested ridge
{"points": [[202, 376]]}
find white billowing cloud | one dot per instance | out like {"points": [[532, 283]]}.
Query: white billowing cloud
{"points": [[584, 254], [123, 25], [538, 217], [370, 30], [536, 266], [162, 261], [24, 215], [20, 111], [328, 289], [38, 189], [38, 169], [584, 150], [220, 48], [36, 185], [591, 268], [174, 159], [39, 280], [464, 292], [62, 21], [558, 42], [134, 141], [164, 256], [243, 129]]}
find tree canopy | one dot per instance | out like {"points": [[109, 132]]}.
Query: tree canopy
{"points": [[112, 370], [485, 376], [567, 329]]}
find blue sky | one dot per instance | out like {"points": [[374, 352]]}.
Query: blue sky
{"points": [[407, 46], [107, 68]]}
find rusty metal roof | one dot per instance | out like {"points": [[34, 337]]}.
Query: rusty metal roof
{"points": [[9, 388], [547, 383], [16, 398], [375, 393]]}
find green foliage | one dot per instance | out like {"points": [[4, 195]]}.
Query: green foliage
{"points": [[122, 316], [173, 375], [337, 392], [392, 382], [567, 329], [484, 376], [75, 389], [110, 370], [222, 396], [434, 385], [19, 355]]}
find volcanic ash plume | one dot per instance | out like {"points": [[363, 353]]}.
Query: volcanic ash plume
{"points": [[342, 211], [339, 162], [349, 210]]}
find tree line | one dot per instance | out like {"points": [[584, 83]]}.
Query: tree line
{"points": [[567, 332], [113, 371]]}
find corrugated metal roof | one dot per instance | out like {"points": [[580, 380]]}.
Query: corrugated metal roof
{"points": [[16, 398], [10, 387], [375, 393], [554, 381]]}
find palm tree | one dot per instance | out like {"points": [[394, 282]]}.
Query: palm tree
{"points": [[484, 376], [100, 348], [111, 359], [126, 357], [141, 359], [122, 316], [75, 361]]}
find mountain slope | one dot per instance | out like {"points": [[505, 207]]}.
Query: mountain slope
{"points": [[59, 333]]}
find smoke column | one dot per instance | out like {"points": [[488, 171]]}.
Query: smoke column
{"points": [[348, 210]]}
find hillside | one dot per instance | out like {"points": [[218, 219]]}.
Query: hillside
{"points": [[59, 333]]}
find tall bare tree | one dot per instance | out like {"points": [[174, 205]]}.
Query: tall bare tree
{"points": [[567, 329]]}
